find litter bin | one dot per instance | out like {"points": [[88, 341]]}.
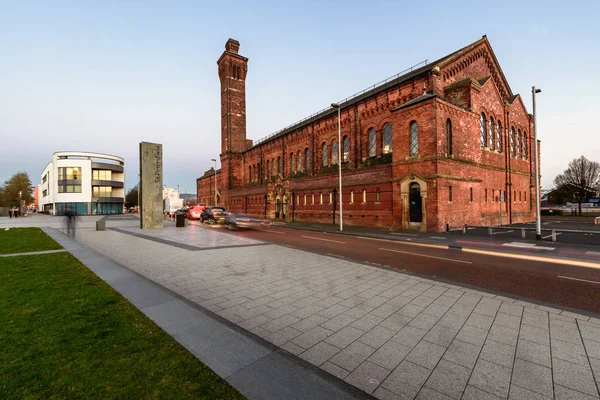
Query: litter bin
{"points": [[101, 225], [180, 221]]}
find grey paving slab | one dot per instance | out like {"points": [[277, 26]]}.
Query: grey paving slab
{"points": [[293, 381], [595, 365], [534, 352], [472, 335], [573, 376], [352, 356], [335, 370], [406, 380], [344, 337], [563, 393], [490, 377], [429, 394], [309, 323], [367, 376], [319, 353], [283, 336], [519, 393], [592, 348], [426, 354], [384, 394], [449, 379], [504, 334], [473, 393], [533, 376], [442, 335], [409, 336], [390, 355], [535, 334], [367, 322], [463, 354], [142, 293], [589, 331], [377, 336], [338, 322], [574, 353]]}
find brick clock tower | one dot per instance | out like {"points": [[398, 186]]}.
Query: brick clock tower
{"points": [[232, 73]]}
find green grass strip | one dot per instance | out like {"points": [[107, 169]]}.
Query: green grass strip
{"points": [[23, 240], [64, 333]]}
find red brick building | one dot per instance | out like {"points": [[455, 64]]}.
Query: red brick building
{"points": [[435, 146]]}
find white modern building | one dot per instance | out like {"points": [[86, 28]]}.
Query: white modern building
{"points": [[87, 183]]}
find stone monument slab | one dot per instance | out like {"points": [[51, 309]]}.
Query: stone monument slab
{"points": [[151, 185]]}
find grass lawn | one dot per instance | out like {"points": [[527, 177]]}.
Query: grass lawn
{"points": [[21, 240], [64, 333]]}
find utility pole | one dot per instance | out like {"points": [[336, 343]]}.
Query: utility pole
{"points": [[538, 224]]}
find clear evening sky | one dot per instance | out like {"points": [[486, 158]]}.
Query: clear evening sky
{"points": [[103, 76]]}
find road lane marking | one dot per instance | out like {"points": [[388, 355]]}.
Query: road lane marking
{"points": [[546, 237], [577, 279], [268, 230], [435, 246], [423, 255], [325, 240], [403, 234], [564, 261], [522, 245], [438, 237], [499, 232], [593, 253]]}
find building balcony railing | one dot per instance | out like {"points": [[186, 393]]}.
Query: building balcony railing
{"points": [[108, 166], [108, 200], [115, 184]]}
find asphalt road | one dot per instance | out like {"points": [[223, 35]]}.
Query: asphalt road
{"points": [[566, 285]]}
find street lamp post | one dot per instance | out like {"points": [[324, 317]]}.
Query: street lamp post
{"points": [[20, 201], [538, 225], [339, 161], [215, 161], [139, 188]]}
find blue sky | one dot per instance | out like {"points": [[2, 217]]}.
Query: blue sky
{"points": [[103, 76]]}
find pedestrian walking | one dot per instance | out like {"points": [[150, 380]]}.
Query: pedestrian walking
{"points": [[10, 213], [70, 222]]}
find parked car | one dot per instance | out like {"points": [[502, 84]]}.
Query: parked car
{"points": [[235, 221], [195, 211], [213, 214]]}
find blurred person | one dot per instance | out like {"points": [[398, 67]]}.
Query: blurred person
{"points": [[71, 221]]}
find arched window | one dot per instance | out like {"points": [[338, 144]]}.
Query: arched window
{"points": [[324, 157], [499, 137], [519, 148], [321, 198], [372, 143], [491, 135], [292, 163], [273, 167], [307, 159], [299, 161], [334, 152], [387, 138], [279, 165], [525, 154], [511, 136], [448, 137], [249, 173], [346, 152], [352, 197], [268, 169], [414, 139], [482, 130], [364, 196]]}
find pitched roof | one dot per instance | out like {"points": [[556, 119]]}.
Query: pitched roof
{"points": [[368, 93]]}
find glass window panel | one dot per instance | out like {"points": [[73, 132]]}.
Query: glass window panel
{"points": [[292, 163], [324, 157], [372, 142], [525, 155], [448, 136], [299, 161], [307, 159], [387, 139], [512, 141], [482, 130], [334, 152], [346, 149], [499, 137], [519, 142], [414, 139], [491, 135]]}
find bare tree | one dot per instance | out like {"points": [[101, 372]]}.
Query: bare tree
{"points": [[583, 176]]}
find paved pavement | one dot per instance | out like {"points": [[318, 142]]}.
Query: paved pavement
{"points": [[391, 334]]}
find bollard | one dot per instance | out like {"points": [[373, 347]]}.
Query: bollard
{"points": [[101, 225], [522, 233], [490, 231], [464, 228], [447, 228], [553, 235]]}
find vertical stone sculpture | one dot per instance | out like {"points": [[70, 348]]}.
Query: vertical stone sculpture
{"points": [[151, 185]]}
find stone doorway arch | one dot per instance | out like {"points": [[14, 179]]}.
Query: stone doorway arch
{"points": [[413, 194]]}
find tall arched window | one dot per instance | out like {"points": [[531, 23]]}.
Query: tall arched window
{"points": [[519, 142], [372, 142], [525, 147], [414, 139], [448, 137], [511, 136], [482, 130], [346, 152], [268, 169], [387, 138], [307, 159], [279, 165], [299, 161], [324, 157], [491, 134], [292, 163], [334, 152], [499, 137], [249, 173], [273, 166]]}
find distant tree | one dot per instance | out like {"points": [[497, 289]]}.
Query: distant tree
{"points": [[132, 196], [582, 176], [19, 182]]}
